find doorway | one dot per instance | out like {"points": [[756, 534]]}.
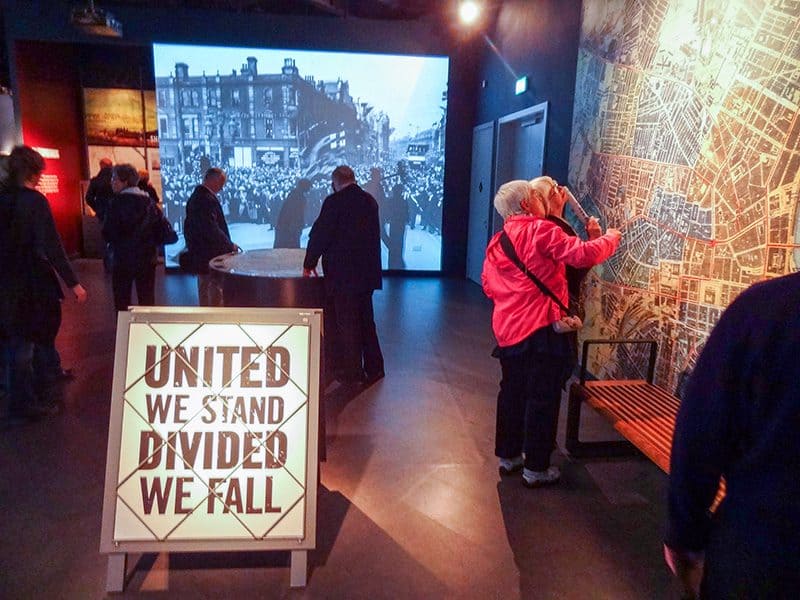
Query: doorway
{"points": [[511, 149], [520, 148], [481, 192]]}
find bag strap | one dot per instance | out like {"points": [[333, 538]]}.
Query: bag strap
{"points": [[508, 248]]}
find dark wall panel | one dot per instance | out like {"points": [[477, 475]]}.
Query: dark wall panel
{"points": [[538, 39]]}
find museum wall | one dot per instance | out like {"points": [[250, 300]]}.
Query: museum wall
{"points": [[48, 91], [49, 21], [686, 136]]}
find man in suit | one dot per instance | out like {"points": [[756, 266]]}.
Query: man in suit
{"points": [[347, 237], [207, 234], [99, 192]]}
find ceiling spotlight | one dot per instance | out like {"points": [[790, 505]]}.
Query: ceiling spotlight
{"points": [[469, 11]]}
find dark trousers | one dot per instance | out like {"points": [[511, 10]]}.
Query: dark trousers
{"points": [[527, 407], [46, 362], [122, 280], [352, 346], [18, 372]]}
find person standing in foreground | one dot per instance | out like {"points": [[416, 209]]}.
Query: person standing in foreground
{"points": [[30, 295], [347, 237], [207, 234], [740, 418], [535, 355]]}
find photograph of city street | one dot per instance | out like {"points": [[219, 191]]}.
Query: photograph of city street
{"points": [[279, 121]]}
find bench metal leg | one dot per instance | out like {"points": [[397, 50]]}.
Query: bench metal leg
{"points": [[578, 449]]}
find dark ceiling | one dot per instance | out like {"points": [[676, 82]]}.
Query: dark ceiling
{"points": [[364, 9]]}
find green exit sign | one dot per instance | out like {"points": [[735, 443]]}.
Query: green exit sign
{"points": [[521, 86]]}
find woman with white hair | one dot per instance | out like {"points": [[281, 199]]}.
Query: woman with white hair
{"points": [[535, 355]]}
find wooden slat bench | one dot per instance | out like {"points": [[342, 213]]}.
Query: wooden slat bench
{"points": [[641, 412]]}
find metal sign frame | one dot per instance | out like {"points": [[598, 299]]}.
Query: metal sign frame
{"points": [[310, 318]]}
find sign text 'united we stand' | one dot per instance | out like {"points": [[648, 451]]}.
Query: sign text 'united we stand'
{"points": [[213, 432]]}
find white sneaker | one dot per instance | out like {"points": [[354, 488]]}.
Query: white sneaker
{"points": [[509, 466], [534, 479]]}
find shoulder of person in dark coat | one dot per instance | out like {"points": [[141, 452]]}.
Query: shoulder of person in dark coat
{"points": [[125, 212], [131, 204], [33, 202], [203, 194]]}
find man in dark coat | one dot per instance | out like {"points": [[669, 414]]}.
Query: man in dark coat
{"points": [[99, 192], [207, 234], [292, 217], [740, 419], [98, 196], [347, 237]]}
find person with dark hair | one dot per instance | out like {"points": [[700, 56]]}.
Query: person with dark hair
{"points": [[739, 419], [291, 219], [30, 294], [347, 237], [532, 331], [207, 234], [129, 229]]}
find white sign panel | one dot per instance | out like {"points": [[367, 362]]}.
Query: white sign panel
{"points": [[213, 436]]}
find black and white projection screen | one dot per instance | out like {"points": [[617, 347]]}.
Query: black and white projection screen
{"points": [[279, 121]]}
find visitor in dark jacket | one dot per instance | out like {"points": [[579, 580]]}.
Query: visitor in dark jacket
{"points": [[129, 229], [207, 234], [347, 237], [31, 255], [99, 192], [740, 418], [98, 198]]}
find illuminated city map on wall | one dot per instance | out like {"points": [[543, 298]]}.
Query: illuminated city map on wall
{"points": [[686, 136], [279, 121]]}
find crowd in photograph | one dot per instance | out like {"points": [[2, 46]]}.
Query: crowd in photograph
{"points": [[256, 194]]}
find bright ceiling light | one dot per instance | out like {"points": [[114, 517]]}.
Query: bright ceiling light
{"points": [[469, 11]]}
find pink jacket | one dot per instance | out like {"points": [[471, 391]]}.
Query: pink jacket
{"points": [[520, 308]]}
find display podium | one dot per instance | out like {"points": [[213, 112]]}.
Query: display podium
{"points": [[267, 278], [273, 278]]}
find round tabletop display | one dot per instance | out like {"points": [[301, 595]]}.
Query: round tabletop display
{"points": [[269, 278]]}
